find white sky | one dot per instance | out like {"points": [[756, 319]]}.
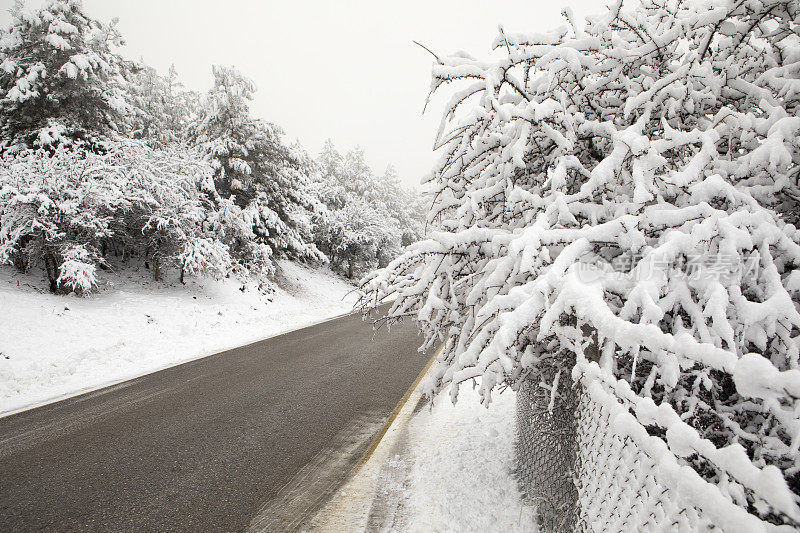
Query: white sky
{"points": [[340, 69]]}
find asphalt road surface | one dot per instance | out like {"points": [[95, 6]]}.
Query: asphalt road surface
{"points": [[248, 439]]}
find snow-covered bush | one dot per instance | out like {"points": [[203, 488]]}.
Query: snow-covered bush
{"points": [[204, 256], [68, 209], [60, 82], [637, 176], [50, 208], [77, 272], [357, 238], [234, 226]]}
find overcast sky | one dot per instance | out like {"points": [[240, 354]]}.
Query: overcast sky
{"points": [[347, 70]]}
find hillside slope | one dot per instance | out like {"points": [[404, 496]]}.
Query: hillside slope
{"points": [[54, 346]]}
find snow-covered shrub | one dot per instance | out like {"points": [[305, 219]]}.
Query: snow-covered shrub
{"points": [[68, 209], [52, 209], [60, 82], [77, 271], [357, 238], [635, 175], [204, 256]]}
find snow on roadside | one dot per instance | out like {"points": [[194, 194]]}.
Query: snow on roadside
{"points": [[446, 469], [53, 346], [463, 457]]}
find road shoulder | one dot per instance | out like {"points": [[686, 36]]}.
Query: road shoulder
{"points": [[441, 467], [356, 506]]}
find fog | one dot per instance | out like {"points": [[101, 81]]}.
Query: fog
{"points": [[346, 70]]}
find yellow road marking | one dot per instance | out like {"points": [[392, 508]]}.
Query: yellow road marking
{"points": [[377, 440]]}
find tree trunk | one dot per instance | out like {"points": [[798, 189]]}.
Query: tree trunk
{"points": [[51, 266]]}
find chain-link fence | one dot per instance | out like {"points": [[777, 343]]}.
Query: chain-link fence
{"points": [[546, 439], [618, 486], [586, 464], [582, 476]]}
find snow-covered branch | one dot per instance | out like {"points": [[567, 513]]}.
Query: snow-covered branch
{"points": [[638, 175]]}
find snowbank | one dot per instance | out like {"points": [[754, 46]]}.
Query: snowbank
{"points": [[463, 458], [54, 346]]}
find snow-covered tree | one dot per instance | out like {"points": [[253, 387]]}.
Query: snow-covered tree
{"points": [[254, 167], [330, 187], [367, 217], [68, 209], [418, 205], [229, 134], [343, 177], [52, 213], [405, 206], [634, 176], [59, 78], [357, 238], [161, 109]]}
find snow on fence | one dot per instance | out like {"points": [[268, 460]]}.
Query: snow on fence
{"points": [[620, 486], [587, 463]]}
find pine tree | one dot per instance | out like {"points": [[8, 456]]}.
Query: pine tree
{"points": [[254, 168], [161, 109], [59, 79], [237, 142], [357, 238]]}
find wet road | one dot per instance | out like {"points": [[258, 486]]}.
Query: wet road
{"points": [[210, 444]]}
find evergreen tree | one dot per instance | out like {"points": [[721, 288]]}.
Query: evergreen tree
{"points": [[253, 166], [59, 79], [162, 109], [245, 151], [367, 219]]}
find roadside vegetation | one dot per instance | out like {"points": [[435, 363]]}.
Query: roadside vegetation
{"points": [[633, 183], [105, 161]]}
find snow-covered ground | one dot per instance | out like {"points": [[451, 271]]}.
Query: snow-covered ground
{"points": [[463, 458], [445, 468], [54, 346]]}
